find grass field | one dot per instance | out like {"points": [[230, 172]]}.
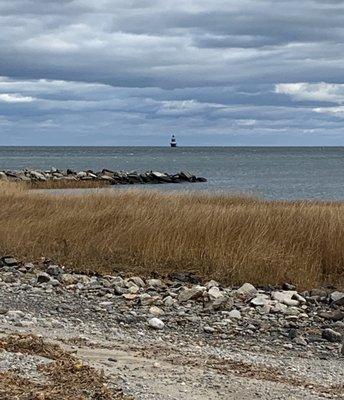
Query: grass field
{"points": [[231, 239]]}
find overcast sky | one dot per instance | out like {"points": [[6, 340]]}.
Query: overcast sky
{"points": [[130, 72]]}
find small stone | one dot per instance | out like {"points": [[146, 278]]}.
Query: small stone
{"points": [[300, 340], [288, 286], [168, 301], [154, 283], [260, 301], [234, 314], [212, 284], [156, 311], [54, 270], [331, 335], [214, 293], [191, 294], [246, 290], [209, 329], [156, 323], [134, 289], [130, 296], [138, 281], [43, 277]]}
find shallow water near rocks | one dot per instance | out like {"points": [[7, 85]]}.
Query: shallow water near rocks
{"points": [[268, 172]]}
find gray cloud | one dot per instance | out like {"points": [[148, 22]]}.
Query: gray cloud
{"points": [[129, 70]]}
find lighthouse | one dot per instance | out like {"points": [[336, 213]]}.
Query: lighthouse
{"points": [[173, 141]]}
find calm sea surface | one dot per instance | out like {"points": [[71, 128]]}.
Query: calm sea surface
{"points": [[274, 173]]}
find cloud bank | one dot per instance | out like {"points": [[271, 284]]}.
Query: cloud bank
{"points": [[120, 72]]}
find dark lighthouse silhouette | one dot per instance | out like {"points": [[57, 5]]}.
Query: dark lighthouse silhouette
{"points": [[173, 142]]}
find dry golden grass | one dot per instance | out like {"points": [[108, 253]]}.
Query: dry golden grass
{"points": [[232, 239], [65, 184]]}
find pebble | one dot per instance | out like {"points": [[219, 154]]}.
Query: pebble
{"points": [[156, 323]]}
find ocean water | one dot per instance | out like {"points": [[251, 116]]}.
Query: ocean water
{"points": [[268, 172]]}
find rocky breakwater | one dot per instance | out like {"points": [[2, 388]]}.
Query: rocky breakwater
{"points": [[104, 176]]}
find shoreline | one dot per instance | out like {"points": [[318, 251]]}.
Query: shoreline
{"points": [[146, 333]]}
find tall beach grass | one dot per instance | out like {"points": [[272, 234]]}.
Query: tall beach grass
{"points": [[231, 239]]}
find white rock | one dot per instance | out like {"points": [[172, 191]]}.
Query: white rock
{"points": [[261, 300], [156, 323], [338, 298], [211, 284], [235, 314], [285, 297], [154, 282], [214, 293], [134, 289]]}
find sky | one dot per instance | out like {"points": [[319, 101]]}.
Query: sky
{"points": [[131, 72]]}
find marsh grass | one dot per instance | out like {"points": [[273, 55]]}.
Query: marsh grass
{"points": [[231, 239], [65, 184]]}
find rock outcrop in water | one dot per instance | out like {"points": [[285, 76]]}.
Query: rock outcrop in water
{"points": [[106, 176]]}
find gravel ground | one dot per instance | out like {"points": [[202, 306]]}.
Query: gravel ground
{"points": [[178, 338]]}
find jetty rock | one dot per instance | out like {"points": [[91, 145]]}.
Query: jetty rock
{"points": [[105, 175]]}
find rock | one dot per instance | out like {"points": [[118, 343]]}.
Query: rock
{"points": [[288, 286], [286, 297], [156, 283], [134, 289], [335, 315], [208, 329], [168, 301], [9, 261], [72, 279], [218, 304], [279, 308], [300, 340], [156, 323], [130, 296], [43, 277], [146, 299], [138, 281], [331, 335], [234, 314], [261, 300], [337, 298], [3, 176], [214, 293], [246, 291], [38, 176], [191, 294], [212, 284], [156, 311], [54, 270]]}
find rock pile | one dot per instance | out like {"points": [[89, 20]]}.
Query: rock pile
{"points": [[106, 176], [179, 303]]}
